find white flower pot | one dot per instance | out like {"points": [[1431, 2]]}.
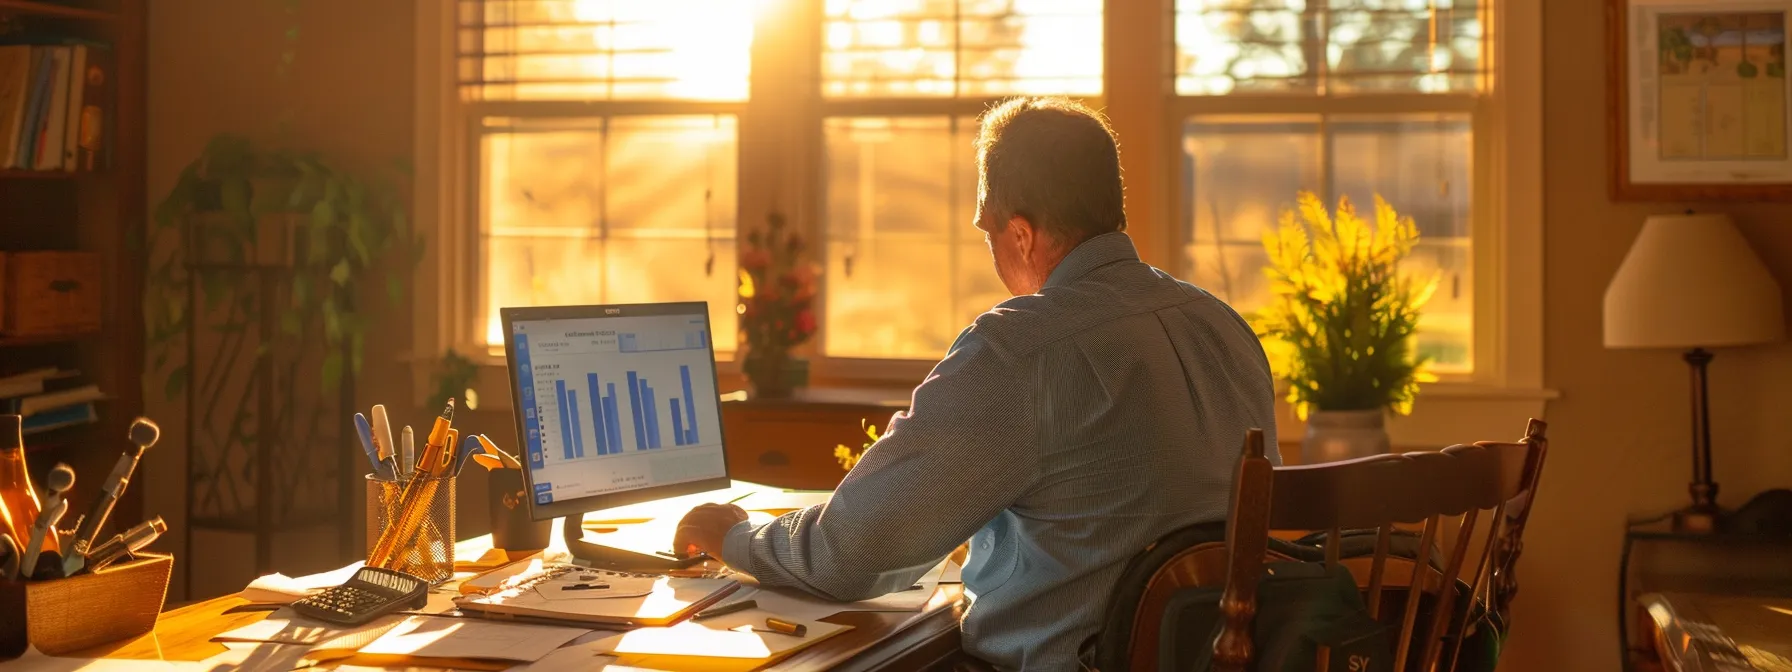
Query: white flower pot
{"points": [[1344, 435]]}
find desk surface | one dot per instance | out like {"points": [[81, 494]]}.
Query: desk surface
{"points": [[877, 640], [1706, 633]]}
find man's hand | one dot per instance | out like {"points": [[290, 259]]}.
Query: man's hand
{"points": [[703, 529]]}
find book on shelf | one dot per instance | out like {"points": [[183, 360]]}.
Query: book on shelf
{"points": [[54, 100], [58, 418], [32, 405], [29, 382]]}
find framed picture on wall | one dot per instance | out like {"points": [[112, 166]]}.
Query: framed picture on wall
{"points": [[1699, 99]]}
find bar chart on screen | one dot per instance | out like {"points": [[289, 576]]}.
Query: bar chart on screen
{"points": [[637, 394]]}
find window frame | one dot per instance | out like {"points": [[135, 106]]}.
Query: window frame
{"points": [[785, 108]]}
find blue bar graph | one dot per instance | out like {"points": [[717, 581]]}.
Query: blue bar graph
{"points": [[678, 434], [597, 415], [565, 425], [611, 424], [578, 437], [634, 403], [653, 416], [689, 435]]}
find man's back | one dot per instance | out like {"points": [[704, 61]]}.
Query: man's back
{"points": [[1145, 386], [1063, 433]]}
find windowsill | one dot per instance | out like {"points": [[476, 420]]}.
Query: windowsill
{"points": [[1446, 412]]}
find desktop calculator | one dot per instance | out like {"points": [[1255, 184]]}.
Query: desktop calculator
{"points": [[371, 593]]}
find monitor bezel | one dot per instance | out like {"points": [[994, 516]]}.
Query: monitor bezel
{"points": [[583, 505]]}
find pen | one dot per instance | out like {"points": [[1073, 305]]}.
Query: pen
{"points": [[126, 543], [407, 453], [431, 459], [786, 627], [143, 434], [451, 451], [725, 609], [364, 430], [468, 446], [736, 499], [382, 435], [62, 477]]}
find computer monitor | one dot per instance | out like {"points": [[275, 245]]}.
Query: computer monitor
{"points": [[615, 405]]}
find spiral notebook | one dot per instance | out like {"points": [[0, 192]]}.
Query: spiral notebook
{"points": [[572, 594]]}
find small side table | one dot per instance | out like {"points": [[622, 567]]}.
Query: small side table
{"points": [[1656, 558]]}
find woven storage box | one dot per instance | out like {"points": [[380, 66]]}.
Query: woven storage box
{"points": [[67, 615], [51, 293]]}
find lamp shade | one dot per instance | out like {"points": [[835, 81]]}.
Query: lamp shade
{"points": [[1691, 281]]}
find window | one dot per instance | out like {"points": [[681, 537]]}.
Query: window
{"points": [[903, 82], [628, 195], [1344, 98]]}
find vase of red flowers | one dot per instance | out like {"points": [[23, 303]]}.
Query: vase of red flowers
{"points": [[777, 297]]}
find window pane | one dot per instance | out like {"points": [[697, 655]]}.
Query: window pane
{"points": [[1328, 46], [605, 49], [1421, 165], [944, 48], [1241, 174], [906, 270], [610, 210]]}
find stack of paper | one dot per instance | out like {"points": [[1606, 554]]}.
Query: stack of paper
{"points": [[283, 589]]}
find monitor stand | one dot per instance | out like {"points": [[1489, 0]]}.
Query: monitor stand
{"points": [[572, 530]]}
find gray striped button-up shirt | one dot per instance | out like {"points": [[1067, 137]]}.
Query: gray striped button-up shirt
{"points": [[1063, 432]]}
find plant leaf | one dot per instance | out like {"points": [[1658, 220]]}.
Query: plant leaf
{"points": [[176, 382], [394, 289], [332, 373], [340, 273]]}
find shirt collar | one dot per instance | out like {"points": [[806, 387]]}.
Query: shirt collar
{"points": [[1093, 253]]}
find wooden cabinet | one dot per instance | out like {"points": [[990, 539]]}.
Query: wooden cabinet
{"points": [[790, 442]]}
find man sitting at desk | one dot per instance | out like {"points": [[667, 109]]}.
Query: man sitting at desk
{"points": [[1067, 428]]}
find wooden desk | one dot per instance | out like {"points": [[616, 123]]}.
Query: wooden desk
{"points": [[877, 640], [1693, 632]]}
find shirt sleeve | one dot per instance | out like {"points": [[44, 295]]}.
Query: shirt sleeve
{"points": [[964, 451]]}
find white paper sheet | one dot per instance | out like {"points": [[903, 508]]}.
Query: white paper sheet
{"points": [[285, 627], [283, 589], [471, 638], [568, 586], [730, 636]]}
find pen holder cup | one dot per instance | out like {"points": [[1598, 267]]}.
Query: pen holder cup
{"points": [[426, 548], [512, 529], [63, 616]]}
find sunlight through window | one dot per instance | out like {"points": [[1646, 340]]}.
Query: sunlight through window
{"points": [[606, 49]]}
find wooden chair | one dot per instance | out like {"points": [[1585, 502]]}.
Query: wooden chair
{"points": [[1433, 488]]}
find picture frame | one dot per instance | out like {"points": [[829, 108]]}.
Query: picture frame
{"points": [[1699, 101]]}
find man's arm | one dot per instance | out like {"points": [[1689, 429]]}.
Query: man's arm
{"points": [[964, 451]]}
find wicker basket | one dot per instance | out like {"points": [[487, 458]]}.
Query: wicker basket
{"points": [[67, 615]]}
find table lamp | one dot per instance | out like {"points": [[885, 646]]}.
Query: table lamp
{"points": [[1691, 282]]}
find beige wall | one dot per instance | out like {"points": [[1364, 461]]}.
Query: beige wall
{"points": [[1620, 432], [212, 69]]}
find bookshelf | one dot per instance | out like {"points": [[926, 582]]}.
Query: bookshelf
{"points": [[103, 212]]}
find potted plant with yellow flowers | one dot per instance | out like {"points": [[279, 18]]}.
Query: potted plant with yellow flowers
{"points": [[1340, 327]]}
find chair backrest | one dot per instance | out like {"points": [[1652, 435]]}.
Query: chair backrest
{"points": [[1434, 488]]}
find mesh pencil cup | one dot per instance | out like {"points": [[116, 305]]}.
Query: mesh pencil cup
{"points": [[424, 547]]}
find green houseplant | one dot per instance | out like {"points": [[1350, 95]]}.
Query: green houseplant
{"points": [[1339, 329], [325, 228]]}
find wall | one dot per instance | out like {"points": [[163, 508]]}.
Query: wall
{"points": [[212, 69], [1621, 431]]}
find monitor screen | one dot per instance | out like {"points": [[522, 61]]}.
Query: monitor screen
{"points": [[615, 404]]}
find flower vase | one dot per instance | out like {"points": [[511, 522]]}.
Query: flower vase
{"points": [[776, 378], [1334, 436]]}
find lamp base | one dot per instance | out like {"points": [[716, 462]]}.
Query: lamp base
{"points": [[1697, 519]]}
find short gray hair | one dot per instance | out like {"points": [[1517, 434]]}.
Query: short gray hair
{"points": [[1053, 161]]}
